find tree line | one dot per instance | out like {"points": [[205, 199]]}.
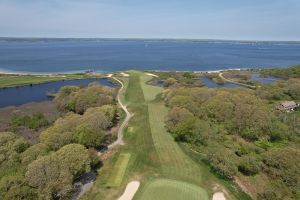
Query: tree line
{"points": [[67, 148]]}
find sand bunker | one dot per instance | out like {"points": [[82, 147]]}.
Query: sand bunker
{"points": [[149, 74], [130, 190], [218, 196], [124, 74]]}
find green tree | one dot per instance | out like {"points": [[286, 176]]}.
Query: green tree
{"points": [[16, 188], [75, 158], [34, 152], [88, 137], [110, 112], [97, 119], [176, 115], [11, 146], [50, 178], [61, 132]]}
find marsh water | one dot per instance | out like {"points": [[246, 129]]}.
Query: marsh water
{"points": [[254, 77], [36, 93]]}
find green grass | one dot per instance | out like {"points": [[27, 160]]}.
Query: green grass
{"points": [[172, 189], [116, 177], [7, 80], [174, 164], [156, 159], [144, 161], [150, 92]]}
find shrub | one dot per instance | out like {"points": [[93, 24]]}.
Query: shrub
{"points": [[37, 120], [222, 161], [249, 165], [283, 164]]}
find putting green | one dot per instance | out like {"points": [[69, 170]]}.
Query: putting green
{"points": [[166, 189]]}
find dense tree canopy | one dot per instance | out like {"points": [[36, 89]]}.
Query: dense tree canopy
{"points": [[54, 174], [48, 170], [78, 100], [239, 133]]}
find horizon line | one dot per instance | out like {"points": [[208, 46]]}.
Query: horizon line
{"points": [[141, 38]]}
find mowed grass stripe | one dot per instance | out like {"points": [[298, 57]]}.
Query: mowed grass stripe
{"points": [[119, 170], [139, 141], [174, 162], [165, 189]]}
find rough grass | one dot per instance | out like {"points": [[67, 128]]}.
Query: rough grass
{"points": [[116, 177], [166, 189]]}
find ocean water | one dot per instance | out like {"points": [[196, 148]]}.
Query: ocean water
{"points": [[64, 55]]}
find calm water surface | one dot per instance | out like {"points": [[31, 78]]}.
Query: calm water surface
{"points": [[211, 84], [255, 77], [36, 93], [270, 79], [111, 55]]}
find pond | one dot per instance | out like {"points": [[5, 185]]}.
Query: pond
{"points": [[211, 84], [36, 93], [261, 79]]}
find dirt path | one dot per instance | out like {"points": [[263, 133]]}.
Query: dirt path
{"points": [[130, 190], [237, 83], [119, 141], [87, 185]]}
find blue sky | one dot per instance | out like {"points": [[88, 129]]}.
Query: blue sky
{"points": [[197, 19]]}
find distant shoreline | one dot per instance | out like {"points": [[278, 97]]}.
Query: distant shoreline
{"points": [[10, 72], [3, 38]]}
